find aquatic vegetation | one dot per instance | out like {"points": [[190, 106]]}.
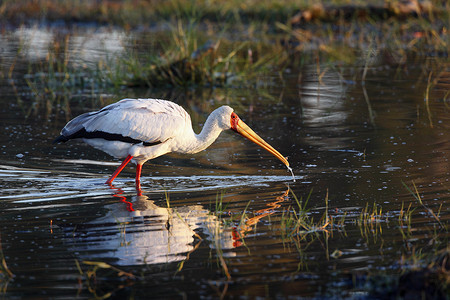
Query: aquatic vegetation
{"points": [[132, 14], [297, 221], [5, 273], [405, 220], [98, 273], [424, 275], [187, 60], [56, 82], [196, 53], [417, 196], [293, 221], [59, 81]]}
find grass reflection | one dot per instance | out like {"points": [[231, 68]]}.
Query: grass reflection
{"points": [[95, 275]]}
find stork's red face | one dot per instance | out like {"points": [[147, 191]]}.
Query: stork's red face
{"points": [[234, 121], [240, 127]]}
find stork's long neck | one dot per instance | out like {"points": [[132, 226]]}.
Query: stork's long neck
{"points": [[210, 131]]}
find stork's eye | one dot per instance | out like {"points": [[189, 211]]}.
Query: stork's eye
{"points": [[233, 116]]}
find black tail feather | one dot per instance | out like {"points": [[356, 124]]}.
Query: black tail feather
{"points": [[80, 134], [60, 139]]}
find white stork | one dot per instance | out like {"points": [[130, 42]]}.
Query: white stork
{"points": [[142, 129]]}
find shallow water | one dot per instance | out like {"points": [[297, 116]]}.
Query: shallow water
{"points": [[226, 210]]}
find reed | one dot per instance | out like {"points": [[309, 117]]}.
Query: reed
{"points": [[427, 101], [55, 83], [217, 226], [6, 274], [192, 58], [417, 196], [187, 59], [94, 274]]}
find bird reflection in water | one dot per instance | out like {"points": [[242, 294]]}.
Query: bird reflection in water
{"points": [[239, 233], [119, 194], [136, 231]]}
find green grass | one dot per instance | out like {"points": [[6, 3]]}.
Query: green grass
{"points": [[133, 13], [186, 60], [210, 44]]}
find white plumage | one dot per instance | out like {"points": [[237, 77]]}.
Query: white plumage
{"points": [[145, 120], [142, 129]]}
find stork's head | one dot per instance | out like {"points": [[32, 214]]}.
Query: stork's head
{"points": [[230, 120]]}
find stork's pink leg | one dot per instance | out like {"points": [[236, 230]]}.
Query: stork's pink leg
{"points": [[119, 169], [138, 177]]}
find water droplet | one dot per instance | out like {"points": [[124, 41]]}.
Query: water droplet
{"points": [[290, 170]]}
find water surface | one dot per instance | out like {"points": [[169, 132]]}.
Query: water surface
{"points": [[217, 223]]}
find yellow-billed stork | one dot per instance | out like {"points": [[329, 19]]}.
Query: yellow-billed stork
{"points": [[142, 129]]}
